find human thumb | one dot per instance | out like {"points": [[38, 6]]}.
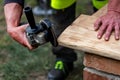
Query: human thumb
{"points": [[23, 27]]}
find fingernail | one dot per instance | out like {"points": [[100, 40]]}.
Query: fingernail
{"points": [[99, 36], [117, 37], [106, 39]]}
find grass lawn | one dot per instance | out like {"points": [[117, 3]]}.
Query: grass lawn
{"points": [[18, 63]]}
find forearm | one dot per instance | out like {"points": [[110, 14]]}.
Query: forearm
{"points": [[13, 12], [114, 5]]}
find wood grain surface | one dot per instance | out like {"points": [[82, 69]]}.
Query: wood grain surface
{"points": [[80, 35]]}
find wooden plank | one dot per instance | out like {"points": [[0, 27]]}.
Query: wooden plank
{"points": [[80, 35]]}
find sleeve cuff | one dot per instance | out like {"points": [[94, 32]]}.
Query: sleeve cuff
{"points": [[21, 2]]}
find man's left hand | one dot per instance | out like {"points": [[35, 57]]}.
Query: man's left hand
{"points": [[107, 24]]}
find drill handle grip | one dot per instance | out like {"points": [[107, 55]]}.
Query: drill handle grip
{"points": [[30, 18]]}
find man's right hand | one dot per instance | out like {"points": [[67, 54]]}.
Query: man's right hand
{"points": [[13, 12], [18, 34]]}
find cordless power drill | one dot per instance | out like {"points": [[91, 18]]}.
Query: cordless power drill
{"points": [[41, 33]]}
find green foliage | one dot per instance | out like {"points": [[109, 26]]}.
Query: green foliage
{"points": [[20, 61], [13, 71]]}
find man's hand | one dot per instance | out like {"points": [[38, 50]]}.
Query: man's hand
{"points": [[13, 12], [107, 24], [18, 34]]}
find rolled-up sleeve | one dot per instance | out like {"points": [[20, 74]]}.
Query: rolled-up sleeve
{"points": [[21, 2]]}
